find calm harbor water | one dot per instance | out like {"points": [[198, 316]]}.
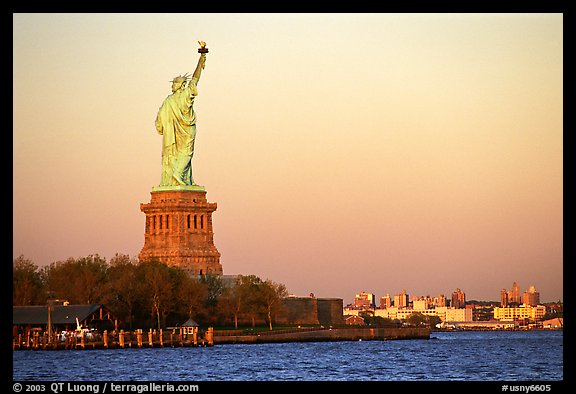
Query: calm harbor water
{"points": [[447, 356]]}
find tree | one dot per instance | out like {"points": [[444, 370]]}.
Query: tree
{"points": [[272, 294], [419, 319], [157, 288], [433, 320], [243, 297], [27, 283], [215, 290], [79, 281], [416, 319], [121, 290], [192, 295], [379, 321]]}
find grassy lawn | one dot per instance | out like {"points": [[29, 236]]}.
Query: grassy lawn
{"points": [[266, 328]]}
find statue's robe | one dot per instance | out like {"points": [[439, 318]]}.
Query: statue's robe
{"points": [[176, 122]]}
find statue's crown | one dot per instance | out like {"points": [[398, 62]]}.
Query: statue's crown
{"points": [[181, 78]]}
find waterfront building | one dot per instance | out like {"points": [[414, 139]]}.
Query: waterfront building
{"points": [[521, 312], [446, 314], [451, 314], [62, 316], [484, 325], [556, 323], [531, 297]]}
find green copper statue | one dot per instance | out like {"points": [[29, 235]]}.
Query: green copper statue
{"points": [[176, 122]]}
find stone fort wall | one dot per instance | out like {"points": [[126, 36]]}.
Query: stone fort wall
{"points": [[311, 310]]}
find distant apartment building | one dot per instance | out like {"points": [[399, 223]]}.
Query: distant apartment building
{"points": [[521, 312], [514, 294], [401, 313], [513, 297], [531, 297], [352, 311], [420, 304], [439, 300], [503, 298], [458, 299], [446, 314], [365, 301], [401, 300], [385, 301]]}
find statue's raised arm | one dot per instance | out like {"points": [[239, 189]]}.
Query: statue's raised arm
{"points": [[202, 61]]}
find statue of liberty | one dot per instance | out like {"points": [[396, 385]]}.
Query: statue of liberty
{"points": [[176, 122]]}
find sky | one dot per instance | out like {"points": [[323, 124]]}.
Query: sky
{"points": [[347, 152]]}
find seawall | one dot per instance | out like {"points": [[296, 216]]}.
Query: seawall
{"points": [[327, 334]]}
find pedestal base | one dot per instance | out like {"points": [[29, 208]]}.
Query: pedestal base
{"points": [[179, 229]]}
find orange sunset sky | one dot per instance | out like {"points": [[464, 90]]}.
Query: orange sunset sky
{"points": [[347, 152]]}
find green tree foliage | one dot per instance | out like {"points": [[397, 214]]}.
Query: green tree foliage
{"points": [[215, 293], [147, 294], [79, 281], [379, 321], [157, 290], [241, 296], [28, 288], [416, 319], [192, 296], [419, 319], [120, 293], [272, 294], [433, 320]]}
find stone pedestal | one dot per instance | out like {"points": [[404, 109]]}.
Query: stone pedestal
{"points": [[179, 229]]}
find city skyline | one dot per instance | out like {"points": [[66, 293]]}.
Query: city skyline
{"points": [[344, 151], [531, 289]]}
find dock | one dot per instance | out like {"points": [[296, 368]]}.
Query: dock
{"points": [[119, 340]]}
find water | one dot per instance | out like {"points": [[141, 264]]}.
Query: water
{"points": [[447, 356]]}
